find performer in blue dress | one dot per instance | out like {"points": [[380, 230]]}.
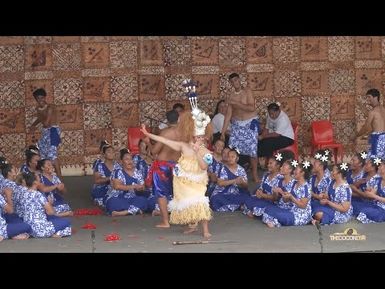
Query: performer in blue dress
{"points": [[320, 180], [295, 210], [39, 213], [336, 207], [122, 199], [102, 173], [32, 156], [231, 190], [53, 188], [375, 212]]}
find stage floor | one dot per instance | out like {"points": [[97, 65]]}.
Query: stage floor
{"points": [[138, 234]]}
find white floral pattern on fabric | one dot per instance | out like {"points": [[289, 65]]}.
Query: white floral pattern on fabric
{"points": [[240, 172], [342, 193], [322, 185], [118, 174], [243, 137], [377, 145], [48, 151], [286, 188], [301, 216], [3, 223]]}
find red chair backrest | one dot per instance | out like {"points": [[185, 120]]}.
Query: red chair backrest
{"points": [[322, 131], [295, 129], [134, 135]]}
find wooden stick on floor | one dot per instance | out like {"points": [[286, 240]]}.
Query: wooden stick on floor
{"points": [[200, 242]]}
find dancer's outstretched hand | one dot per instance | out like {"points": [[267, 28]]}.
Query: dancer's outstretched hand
{"points": [[143, 130]]}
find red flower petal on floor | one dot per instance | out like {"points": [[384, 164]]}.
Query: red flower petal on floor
{"points": [[89, 226], [88, 212], [112, 237]]}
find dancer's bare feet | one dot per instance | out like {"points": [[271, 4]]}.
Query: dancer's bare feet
{"points": [[250, 214], [270, 225], [207, 235], [23, 236], [119, 213], [56, 236], [163, 225], [190, 230], [1, 238]]}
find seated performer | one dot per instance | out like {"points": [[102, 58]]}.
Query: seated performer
{"points": [[53, 187], [336, 206], [122, 198], [295, 210], [375, 212], [102, 173], [231, 190]]}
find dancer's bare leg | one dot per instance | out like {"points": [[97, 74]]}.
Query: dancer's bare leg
{"points": [[254, 172], [56, 165], [317, 218], [205, 228], [163, 213]]}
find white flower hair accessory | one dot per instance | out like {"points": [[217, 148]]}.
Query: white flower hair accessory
{"points": [[317, 156], [278, 103], [327, 152], [324, 158], [278, 157], [363, 155], [305, 164], [294, 163], [344, 166], [377, 161]]}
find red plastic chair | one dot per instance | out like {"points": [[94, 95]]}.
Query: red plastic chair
{"points": [[322, 137], [133, 136], [294, 146]]}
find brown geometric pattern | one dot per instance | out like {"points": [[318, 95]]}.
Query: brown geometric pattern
{"points": [[66, 56], [151, 52], [150, 111], [125, 115], [343, 107], [261, 84], [68, 91], [259, 50], [124, 88], [12, 94], [72, 143], [11, 58], [93, 138], [101, 85], [177, 52], [123, 54], [38, 57], [174, 89], [367, 79], [341, 48], [287, 83], [314, 49], [232, 52], [315, 108], [207, 85], [97, 115], [205, 52], [341, 81], [286, 49]]}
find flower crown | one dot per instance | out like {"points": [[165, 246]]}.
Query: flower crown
{"points": [[344, 166], [364, 155], [322, 157], [377, 161], [305, 164], [278, 157], [201, 119], [107, 144]]}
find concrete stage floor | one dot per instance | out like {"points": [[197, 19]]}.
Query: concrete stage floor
{"points": [[138, 234]]}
